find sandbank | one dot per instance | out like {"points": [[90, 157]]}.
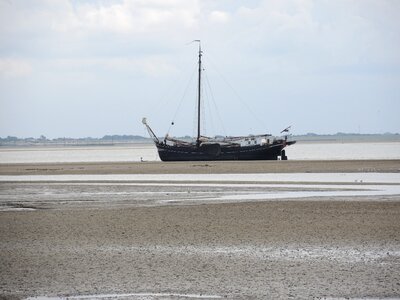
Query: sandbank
{"points": [[260, 250], [91, 238], [228, 167]]}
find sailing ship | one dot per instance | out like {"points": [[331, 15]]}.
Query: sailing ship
{"points": [[203, 148]]}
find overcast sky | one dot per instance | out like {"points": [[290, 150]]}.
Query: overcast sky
{"points": [[90, 68]]}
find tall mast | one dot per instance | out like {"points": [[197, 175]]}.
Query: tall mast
{"points": [[199, 98]]}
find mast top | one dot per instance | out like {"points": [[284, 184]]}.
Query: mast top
{"points": [[197, 41]]}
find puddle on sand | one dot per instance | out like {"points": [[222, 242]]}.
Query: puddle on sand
{"points": [[329, 191], [58, 191], [140, 296], [265, 177], [10, 208], [287, 253]]}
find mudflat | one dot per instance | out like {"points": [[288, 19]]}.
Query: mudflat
{"points": [[227, 167], [261, 250], [97, 239]]}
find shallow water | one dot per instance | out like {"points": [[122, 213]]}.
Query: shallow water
{"points": [[338, 151], [91, 191], [148, 152], [138, 296], [264, 177]]}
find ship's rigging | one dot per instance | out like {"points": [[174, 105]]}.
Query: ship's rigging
{"points": [[252, 147]]}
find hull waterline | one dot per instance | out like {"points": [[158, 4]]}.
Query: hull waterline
{"points": [[193, 153]]}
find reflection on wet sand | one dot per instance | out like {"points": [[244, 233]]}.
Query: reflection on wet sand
{"points": [[258, 236], [111, 191]]}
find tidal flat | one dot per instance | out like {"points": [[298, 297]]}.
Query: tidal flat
{"points": [[306, 235]]}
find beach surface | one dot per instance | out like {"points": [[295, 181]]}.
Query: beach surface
{"points": [[228, 167], [207, 240]]}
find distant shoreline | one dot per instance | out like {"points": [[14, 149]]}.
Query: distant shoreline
{"points": [[123, 140]]}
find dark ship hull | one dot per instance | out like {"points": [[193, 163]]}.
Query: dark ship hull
{"points": [[252, 147], [217, 152]]}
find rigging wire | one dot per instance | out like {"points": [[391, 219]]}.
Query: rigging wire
{"points": [[194, 119], [207, 105], [207, 92], [203, 113], [171, 90], [181, 101], [255, 116], [215, 104]]}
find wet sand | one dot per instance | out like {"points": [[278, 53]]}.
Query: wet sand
{"points": [[308, 248], [230, 167], [246, 250]]}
